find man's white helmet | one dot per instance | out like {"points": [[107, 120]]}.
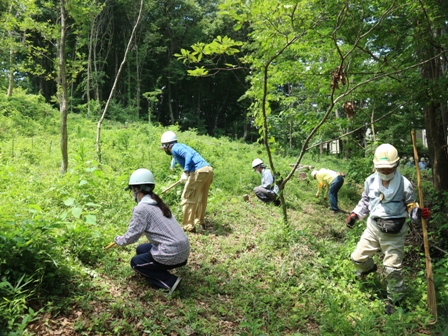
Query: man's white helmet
{"points": [[168, 137], [141, 176], [313, 173], [256, 163], [386, 156]]}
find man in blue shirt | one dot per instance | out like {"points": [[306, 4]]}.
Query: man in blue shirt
{"points": [[197, 176]]}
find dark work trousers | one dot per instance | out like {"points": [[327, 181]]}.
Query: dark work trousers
{"points": [[333, 192], [265, 195], [155, 273]]}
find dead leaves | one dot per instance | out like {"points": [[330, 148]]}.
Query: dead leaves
{"points": [[349, 109], [338, 77]]}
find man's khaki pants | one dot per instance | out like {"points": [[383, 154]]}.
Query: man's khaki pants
{"points": [[195, 195], [392, 245]]}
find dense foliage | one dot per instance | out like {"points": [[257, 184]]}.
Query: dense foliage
{"points": [[248, 273]]}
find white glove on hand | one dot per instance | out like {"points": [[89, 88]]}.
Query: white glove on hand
{"points": [[184, 177]]}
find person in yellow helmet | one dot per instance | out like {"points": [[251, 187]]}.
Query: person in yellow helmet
{"points": [[387, 200], [332, 181]]}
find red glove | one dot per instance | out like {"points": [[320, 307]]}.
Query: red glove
{"points": [[425, 213], [351, 220]]}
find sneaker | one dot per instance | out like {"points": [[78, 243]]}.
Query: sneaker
{"points": [[179, 279], [362, 275]]}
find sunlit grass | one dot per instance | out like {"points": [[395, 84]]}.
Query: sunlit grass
{"points": [[249, 273]]}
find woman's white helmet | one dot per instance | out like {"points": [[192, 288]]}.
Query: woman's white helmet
{"points": [[256, 163], [141, 176], [386, 156], [168, 136]]}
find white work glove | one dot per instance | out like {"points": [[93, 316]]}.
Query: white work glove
{"points": [[184, 177]]}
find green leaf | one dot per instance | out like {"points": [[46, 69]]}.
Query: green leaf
{"points": [[77, 212], [90, 219], [69, 201]]}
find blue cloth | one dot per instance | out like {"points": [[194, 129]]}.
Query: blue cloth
{"points": [[267, 180], [422, 165], [173, 163], [188, 158], [333, 192]]}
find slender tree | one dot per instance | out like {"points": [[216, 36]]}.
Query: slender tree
{"points": [[100, 121], [63, 85]]}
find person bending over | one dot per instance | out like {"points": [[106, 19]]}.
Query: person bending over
{"points": [[168, 246]]}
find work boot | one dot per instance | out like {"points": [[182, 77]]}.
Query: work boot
{"points": [[361, 275], [391, 306], [389, 309]]}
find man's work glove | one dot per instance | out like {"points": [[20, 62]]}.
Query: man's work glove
{"points": [[424, 212], [351, 220], [113, 244], [183, 177]]}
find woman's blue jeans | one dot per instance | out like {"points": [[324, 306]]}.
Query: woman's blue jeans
{"points": [[333, 192]]}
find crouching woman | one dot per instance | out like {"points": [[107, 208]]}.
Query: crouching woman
{"points": [[168, 246]]}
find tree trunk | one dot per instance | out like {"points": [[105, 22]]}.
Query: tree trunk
{"points": [[103, 115], [437, 145], [11, 60], [137, 80], [170, 105], [89, 65], [11, 71], [63, 88], [435, 121]]}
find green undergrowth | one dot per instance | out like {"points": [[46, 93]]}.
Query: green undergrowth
{"points": [[248, 273]]}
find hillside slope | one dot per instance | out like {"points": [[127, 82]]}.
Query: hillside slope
{"points": [[248, 274]]}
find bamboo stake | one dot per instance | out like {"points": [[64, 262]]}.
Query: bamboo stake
{"points": [[431, 293]]}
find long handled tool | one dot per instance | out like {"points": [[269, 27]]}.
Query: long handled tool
{"points": [[171, 187], [431, 299], [113, 244]]}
